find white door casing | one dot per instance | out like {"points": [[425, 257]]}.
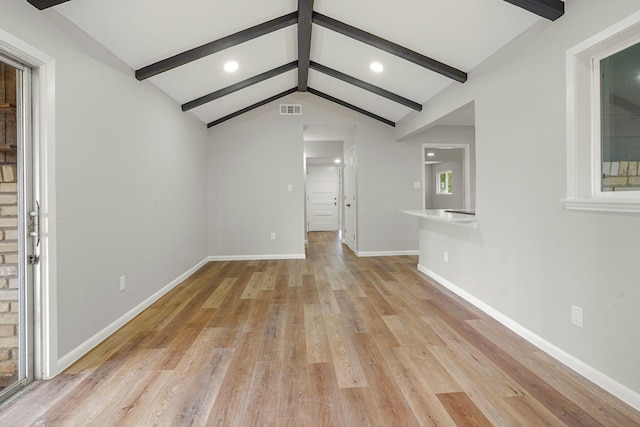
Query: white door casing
{"points": [[322, 198], [350, 206]]}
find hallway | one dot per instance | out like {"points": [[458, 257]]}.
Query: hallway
{"points": [[333, 340]]}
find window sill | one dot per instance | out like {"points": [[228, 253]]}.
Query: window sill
{"points": [[602, 205]]}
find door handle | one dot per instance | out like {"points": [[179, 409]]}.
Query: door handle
{"points": [[348, 205]]}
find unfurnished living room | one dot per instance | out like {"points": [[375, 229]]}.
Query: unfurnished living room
{"points": [[319, 212]]}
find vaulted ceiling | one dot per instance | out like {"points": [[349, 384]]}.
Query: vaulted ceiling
{"points": [[323, 47]]}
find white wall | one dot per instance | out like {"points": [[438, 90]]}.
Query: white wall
{"points": [[130, 181], [446, 135], [253, 158], [446, 201], [529, 258], [323, 149]]}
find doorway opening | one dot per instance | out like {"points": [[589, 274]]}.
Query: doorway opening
{"points": [[323, 176], [34, 213]]}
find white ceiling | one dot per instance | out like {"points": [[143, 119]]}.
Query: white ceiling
{"points": [[460, 33]]}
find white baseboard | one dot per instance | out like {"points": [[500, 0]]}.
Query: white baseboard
{"points": [[363, 254], [254, 257], [621, 391], [65, 361]]}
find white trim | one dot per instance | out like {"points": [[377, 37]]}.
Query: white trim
{"points": [[600, 205], [44, 125], [75, 354], [363, 254], [254, 257], [609, 384]]}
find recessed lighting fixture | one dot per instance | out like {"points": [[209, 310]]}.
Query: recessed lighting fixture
{"points": [[231, 67], [336, 161], [376, 67], [431, 154]]}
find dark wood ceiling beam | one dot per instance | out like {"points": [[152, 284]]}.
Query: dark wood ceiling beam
{"points": [[350, 106], [550, 9], [366, 86], [238, 86], [390, 47], [217, 46], [252, 107], [45, 4], [305, 10]]}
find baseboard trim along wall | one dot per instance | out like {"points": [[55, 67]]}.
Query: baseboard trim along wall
{"points": [[612, 386], [363, 254], [254, 257], [74, 355]]}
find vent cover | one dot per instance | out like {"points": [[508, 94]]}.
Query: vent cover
{"points": [[290, 109]]}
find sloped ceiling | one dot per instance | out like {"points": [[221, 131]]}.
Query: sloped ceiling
{"points": [[324, 47]]}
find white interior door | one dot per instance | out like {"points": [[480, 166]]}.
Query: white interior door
{"points": [[322, 198], [349, 237]]}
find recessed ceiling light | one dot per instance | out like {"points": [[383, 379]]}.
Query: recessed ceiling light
{"points": [[376, 67], [431, 154], [337, 160], [231, 66]]}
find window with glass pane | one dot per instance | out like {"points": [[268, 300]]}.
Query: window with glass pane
{"points": [[444, 182], [620, 120]]}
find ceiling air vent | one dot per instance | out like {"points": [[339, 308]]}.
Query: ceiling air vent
{"points": [[290, 109]]}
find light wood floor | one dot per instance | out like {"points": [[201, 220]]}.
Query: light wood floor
{"points": [[333, 340]]}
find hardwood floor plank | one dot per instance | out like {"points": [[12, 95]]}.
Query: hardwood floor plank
{"points": [[359, 407], [293, 401], [234, 388], [416, 347], [475, 364], [220, 293], [531, 412], [193, 394], [269, 279], [463, 410], [345, 359], [280, 293], [272, 345], [318, 350], [325, 404], [253, 286], [260, 406], [362, 317], [331, 340], [392, 407], [421, 399]]}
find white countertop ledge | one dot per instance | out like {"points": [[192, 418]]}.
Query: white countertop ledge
{"points": [[441, 215]]}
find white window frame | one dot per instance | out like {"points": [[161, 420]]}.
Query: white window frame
{"points": [[584, 155], [446, 173]]}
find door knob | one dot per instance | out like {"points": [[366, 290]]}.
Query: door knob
{"points": [[348, 205]]}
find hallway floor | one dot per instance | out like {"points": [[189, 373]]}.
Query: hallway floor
{"points": [[333, 340]]}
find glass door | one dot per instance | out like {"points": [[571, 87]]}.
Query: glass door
{"points": [[18, 229]]}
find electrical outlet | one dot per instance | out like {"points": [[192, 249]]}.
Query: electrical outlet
{"points": [[290, 187], [576, 316], [446, 256], [273, 235], [123, 283], [417, 185]]}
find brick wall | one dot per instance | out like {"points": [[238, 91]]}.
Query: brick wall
{"points": [[9, 303], [621, 176]]}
